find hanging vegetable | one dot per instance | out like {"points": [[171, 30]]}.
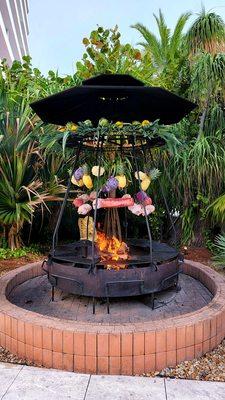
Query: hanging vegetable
{"points": [[111, 184], [143, 198], [78, 173], [112, 202]]}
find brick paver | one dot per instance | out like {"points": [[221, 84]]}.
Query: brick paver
{"points": [[31, 295]]}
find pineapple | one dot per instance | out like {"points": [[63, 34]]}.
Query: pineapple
{"points": [[87, 180], [142, 175], [145, 183], [122, 180]]}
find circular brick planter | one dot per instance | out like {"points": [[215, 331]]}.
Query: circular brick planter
{"points": [[111, 348]]}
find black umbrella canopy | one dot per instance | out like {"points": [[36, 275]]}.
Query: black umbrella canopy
{"points": [[114, 97]]}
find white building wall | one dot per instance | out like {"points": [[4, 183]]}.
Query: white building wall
{"points": [[13, 29]]}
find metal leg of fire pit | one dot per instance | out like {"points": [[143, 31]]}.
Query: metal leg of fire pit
{"points": [[55, 234], [108, 304], [93, 305], [152, 301], [53, 293]]}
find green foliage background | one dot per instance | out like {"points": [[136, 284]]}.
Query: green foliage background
{"points": [[33, 170]]}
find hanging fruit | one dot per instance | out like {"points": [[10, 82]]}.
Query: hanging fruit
{"points": [[76, 182], [97, 171], [142, 175], [87, 177], [145, 183], [119, 124], [84, 209], [122, 181], [146, 122], [143, 198], [88, 181]]}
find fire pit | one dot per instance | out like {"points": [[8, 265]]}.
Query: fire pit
{"points": [[105, 262]]}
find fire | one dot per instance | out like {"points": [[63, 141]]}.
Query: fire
{"points": [[113, 249]]}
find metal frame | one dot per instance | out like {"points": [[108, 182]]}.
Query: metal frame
{"points": [[133, 149]]}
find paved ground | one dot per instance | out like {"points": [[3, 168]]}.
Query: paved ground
{"points": [[35, 295], [30, 383]]}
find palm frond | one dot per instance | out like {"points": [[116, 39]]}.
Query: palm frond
{"points": [[152, 43], [175, 41]]}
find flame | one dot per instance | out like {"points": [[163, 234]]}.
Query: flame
{"points": [[113, 249]]}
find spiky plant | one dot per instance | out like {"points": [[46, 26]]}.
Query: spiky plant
{"points": [[219, 257], [207, 34], [21, 187]]}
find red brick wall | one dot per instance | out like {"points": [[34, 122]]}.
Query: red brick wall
{"points": [[112, 349]]}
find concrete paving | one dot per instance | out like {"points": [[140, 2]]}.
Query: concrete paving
{"points": [[30, 383]]}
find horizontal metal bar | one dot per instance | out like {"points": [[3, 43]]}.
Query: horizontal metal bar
{"points": [[67, 278]]}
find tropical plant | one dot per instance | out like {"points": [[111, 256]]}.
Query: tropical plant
{"points": [[168, 51], [219, 258], [104, 53], [21, 189], [21, 80], [206, 34], [34, 165]]}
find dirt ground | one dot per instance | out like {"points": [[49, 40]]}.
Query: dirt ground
{"points": [[200, 254], [12, 263]]}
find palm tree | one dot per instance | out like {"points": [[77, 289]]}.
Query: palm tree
{"points": [[167, 51]]}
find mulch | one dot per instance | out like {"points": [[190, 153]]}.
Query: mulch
{"points": [[13, 263], [210, 367]]}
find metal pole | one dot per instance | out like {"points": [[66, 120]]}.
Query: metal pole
{"points": [[144, 207], [166, 204], [55, 234], [98, 159]]}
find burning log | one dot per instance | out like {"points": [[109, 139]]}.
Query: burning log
{"points": [[112, 249]]}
